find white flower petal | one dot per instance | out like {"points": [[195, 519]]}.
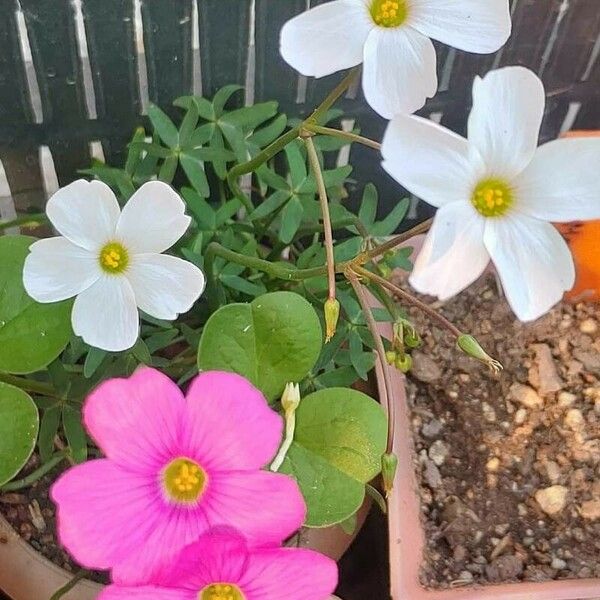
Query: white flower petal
{"points": [[327, 38], [504, 125], [480, 26], [164, 286], [453, 255], [561, 183], [153, 219], [428, 160], [399, 73], [57, 269], [85, 212], [533, 261], [106, 316]]}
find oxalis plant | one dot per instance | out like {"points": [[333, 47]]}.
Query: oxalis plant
{"points": [[225, 247]]}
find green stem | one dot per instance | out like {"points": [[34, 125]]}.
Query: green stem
{"points": [[397, 240], [315, 165], [398, 291], [380, 349], [19, 484], [250, 166], [345, 135], [31, 221], [333, 96], [29, 385], [275, 270], [81, 574]]}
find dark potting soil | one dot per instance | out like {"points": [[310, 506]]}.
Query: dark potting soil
{"points": [[508, 464]]}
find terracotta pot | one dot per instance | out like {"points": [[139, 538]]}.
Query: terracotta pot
{"points": [[407, 538], [27, 575]]}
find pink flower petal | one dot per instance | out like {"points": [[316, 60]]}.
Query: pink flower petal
{"points": [[147, 592], [266, 507], [104, 511], [289, 574], [231, 423], [220, 555], [137, 421]]}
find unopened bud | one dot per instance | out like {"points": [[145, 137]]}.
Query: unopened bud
{"points": [[332, 314], [290, 398], [404, 363], [470, 346], [412, 339], [384, 270], [390, 357], [389, 464]]}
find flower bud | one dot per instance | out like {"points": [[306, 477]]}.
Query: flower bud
{"points": [[389, 464], [332, 314], [290, 398], [470, 346], [384, 270], [404, 363], [390, 357], [412, 339]]}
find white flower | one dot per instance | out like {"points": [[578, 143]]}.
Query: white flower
{"points": [[111, 260], [497, 193], [393, 39]]}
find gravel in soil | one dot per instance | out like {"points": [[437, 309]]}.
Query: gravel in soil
{"points": [[509, 464]]}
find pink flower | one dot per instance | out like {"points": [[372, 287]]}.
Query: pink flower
{"points": [[175, 466], [220, 566]]}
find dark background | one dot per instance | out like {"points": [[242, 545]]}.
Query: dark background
{"points": [[95, 95]]}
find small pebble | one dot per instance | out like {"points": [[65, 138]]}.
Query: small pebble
{"points": [[525, 395], [521, 416], [432, 428], [588, 326], [558, 563], [493, 464], [553, 499], [590, 510], [574, 420], [438, 452], [566, 399]]}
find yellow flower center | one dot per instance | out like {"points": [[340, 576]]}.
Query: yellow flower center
{"points": [[114, 258], [221, 591], [184, 480], [492, 197], [389, 13]]}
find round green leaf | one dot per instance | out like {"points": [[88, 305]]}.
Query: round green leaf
{"points": [[19, 423], [339, 439], [273, 340], [32, 335]]}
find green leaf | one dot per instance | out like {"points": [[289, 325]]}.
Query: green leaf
{"points": [[221, 98], [168, 169], [250, 117], [19, 423], [264, 136], [153, 149], [48, 429], [194, 169], [163, 126], [296, 162], [271, 341], [32, 335], [271, 204], [368, 206], [339, 439], [211, 154], [203, 212], [93, 360], [188, 125], [141, 352], [75, 433], [392, 221], [134, 154], [291, 218], [204, 107]]}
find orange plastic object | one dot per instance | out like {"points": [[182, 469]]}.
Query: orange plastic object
{"points": [[584, 240]]}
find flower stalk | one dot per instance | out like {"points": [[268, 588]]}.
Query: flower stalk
{"points": [[36, 475], [359, 291], [290, 400]]}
